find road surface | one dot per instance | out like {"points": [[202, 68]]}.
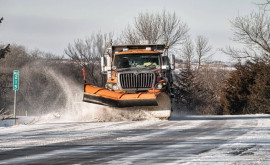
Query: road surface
{"points": [[186, 140]]}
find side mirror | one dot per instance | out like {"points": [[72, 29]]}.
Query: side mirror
{"points": [[165, 63], [109, 62], [105, 63], [172, 62], [102, 65], [165, 67]]}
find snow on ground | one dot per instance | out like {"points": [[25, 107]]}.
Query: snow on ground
{"points": [[48, 133], [24, 120], [250, 146], [253, 147]]}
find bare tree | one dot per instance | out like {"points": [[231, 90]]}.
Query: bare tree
{"points": [[156, 28], [174, 30], [202, 49], [265, 5], [6, 49], [146, 27], [198, 50], [267, 2], [130, 36], [188, 52], [87, 53], [253, 32]]}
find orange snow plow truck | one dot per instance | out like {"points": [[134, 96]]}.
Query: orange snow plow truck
{"points": [[137, 76]]}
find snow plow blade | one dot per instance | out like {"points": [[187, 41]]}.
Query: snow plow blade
{"points": [[104, 96]]}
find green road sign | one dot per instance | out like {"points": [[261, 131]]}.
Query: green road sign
{"points": [[15, 80]]}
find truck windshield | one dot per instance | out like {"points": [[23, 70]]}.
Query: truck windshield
{"points": [[137, 60]]}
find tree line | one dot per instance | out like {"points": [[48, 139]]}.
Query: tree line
{"points": [[199, 87]]}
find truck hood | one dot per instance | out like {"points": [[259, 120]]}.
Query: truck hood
{"points": [[136, 69]]}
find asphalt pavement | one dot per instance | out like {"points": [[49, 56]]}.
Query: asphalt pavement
{"points": [[184, 140]]}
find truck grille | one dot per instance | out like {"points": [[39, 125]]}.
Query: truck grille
{"points": [[136, 81]]}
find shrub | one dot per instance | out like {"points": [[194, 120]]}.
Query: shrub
{"points": [[247, 90]]}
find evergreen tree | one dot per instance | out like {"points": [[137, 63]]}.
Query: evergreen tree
{"points": [[184, 88], [259, 99], [247, 90]]}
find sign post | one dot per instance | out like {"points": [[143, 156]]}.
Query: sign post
{"points": [[15, 88]]}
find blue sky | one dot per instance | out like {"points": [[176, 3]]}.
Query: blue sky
{"points": [[49, 25]]}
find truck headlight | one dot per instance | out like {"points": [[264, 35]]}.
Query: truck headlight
{"points": [[108, 86], [159, 85], [115, 87], [112, 86]]}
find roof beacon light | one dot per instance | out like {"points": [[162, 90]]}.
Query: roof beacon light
{"points": [[148, 48], [125, 49]]}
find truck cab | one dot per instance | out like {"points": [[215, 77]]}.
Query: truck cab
{"points": [[138, 68]]}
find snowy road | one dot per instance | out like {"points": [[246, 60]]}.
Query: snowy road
{"points": [[189, 140]]}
